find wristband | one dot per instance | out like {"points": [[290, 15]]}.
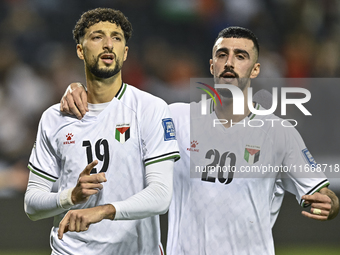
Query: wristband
{"points": [[65, 199]]}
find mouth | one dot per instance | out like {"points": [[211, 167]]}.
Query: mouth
{"points": [[228, 75], [107, 58]]}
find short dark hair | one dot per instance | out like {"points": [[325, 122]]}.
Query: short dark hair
{"points": [[97, 15], [239, 32]]}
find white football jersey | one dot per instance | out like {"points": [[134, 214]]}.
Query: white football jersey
{"points": [[218, 211], [134, 130]]}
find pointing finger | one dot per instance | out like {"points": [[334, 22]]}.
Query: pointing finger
{"points": [[88, 168], [63, 226]]}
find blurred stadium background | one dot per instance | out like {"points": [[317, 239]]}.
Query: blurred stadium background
{"points": [[172, 43]]}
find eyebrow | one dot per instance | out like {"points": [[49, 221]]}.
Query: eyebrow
{"points": [[102, 32], [236, 51], [97, 32], [239, 51]]}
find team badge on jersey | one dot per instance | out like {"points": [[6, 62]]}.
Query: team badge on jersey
{"points": [[252, 154], [309, 157], [169, 129], [122, 132]]}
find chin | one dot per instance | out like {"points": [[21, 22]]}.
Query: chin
{"points": [[229, 81], [225, 93]]}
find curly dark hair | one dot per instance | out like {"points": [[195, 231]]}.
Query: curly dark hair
{"points": [[97, 15]]}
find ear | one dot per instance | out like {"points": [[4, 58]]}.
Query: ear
{"points": [[211, 67], [126, 52], [80, 51], [256, 71]]}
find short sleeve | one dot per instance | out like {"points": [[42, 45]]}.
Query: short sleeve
{"points": [[158, 133], [43, 161], [301, 179]]}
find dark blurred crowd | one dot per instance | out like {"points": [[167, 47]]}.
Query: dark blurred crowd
{"points": [[171, 43]]}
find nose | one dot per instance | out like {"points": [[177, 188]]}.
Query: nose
{"points": [[230, 61], [108, 44]]}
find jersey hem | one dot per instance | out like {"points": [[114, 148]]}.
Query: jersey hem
{"points": [[41, 173], [172, 155]]}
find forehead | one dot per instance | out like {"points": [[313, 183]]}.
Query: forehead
{"points": [[104, 26], [234, 43]]}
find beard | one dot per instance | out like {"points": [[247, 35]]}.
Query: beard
{"points": [[241, 83], [103, 73]]}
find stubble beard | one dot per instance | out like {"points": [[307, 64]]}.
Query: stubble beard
{"points": [[106, 72], [241, 83]]}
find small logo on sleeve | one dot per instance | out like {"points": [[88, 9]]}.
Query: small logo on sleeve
{"points": [[169, 129], [309, 157]]}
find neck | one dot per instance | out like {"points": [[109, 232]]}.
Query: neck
{"points": [[225, 111], [102, 90]]}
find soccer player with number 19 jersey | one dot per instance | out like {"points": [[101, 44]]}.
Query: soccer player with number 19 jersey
{"points": [[128, 142]]}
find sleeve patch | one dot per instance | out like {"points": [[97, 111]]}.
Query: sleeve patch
{"points": [[309, 157], [169, 129]]}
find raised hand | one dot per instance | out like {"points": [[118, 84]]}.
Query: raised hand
{"points": [[87, 184]]}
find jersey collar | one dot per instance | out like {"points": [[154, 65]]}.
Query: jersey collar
{"points": [[121, 91], [252, 115]]}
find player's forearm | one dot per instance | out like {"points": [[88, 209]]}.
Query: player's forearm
{"points": [[109, 211], [334, 204], [142, 205], [40, 203], [154, 199]]}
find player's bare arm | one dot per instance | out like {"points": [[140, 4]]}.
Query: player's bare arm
{"points": [[74, 100], [87, 184], [80, 220], [324, 205]]}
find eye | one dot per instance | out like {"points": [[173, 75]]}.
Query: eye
{"points": [[97, 37], [117, 38], [241, 57], [222, 55]]}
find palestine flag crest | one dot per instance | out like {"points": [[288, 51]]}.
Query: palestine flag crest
{"points": [[122, 132], [252, 154]]}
